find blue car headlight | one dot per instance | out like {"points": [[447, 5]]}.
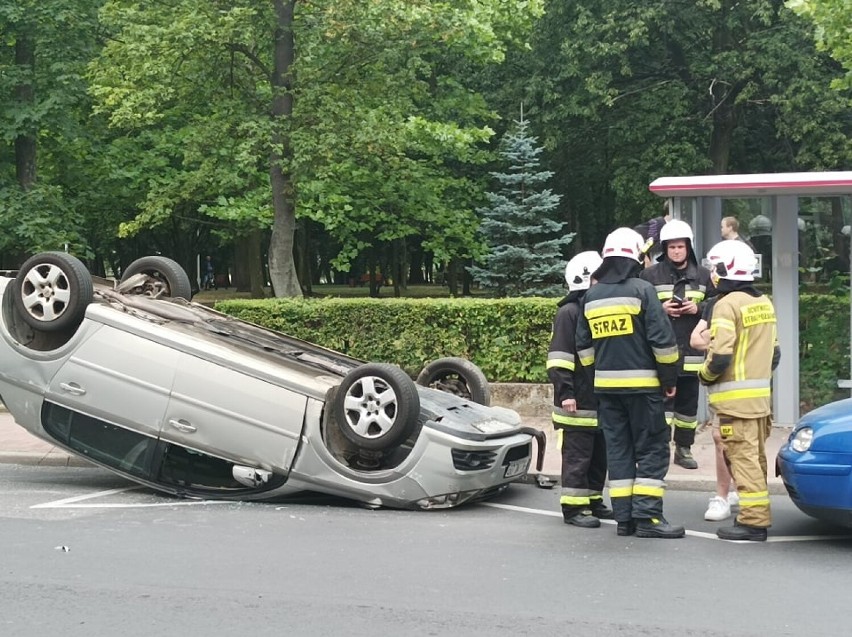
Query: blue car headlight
{"points": [[802, 439]]}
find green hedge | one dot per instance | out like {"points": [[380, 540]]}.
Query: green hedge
{"points": [[823, 348], [507, 338]]}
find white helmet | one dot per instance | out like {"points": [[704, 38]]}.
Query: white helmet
{"points": [[578, 272], [676, 229], [733, 260], [624, 242]]}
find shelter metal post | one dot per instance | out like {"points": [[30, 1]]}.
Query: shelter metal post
{"points": [[785, 296]]}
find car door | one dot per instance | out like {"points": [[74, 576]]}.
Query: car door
{"points": [[118, 377], [233, 415]]}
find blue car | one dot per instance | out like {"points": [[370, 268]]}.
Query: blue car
{"points": [[816, 463]]}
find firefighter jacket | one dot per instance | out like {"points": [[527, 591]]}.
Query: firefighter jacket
{"points": [[743, 352], [569, 377], [625, 333], [690, 283]]}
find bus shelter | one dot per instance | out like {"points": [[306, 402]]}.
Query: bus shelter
{"points": [[700, 201]]}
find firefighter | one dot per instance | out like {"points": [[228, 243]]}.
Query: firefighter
{"points": [[742, 354], [574, 415], [624, 332], [683, 286]]}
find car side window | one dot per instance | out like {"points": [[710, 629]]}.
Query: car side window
{"points": [[103, 442], [187, 468]]}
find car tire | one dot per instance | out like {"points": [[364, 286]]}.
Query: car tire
{"points": [[164, 278], [376, 406], [457, 376], [52, 290]]}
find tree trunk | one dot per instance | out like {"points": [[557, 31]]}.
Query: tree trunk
{"points": [[466, 278], [723, 95], [452, 280], [416, 275], [371, 273], [282, 266], [25, 142], [255, 265], [724, 124], [396, 266], [240, 277], [304, 257]]}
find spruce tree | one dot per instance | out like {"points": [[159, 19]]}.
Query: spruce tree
{"points": [[526, 243]]}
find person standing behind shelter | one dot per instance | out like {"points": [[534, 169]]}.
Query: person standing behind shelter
{"points": [[683, 287], [624, 332], [575, 415], [730, 231], [650, 231], [742, 354]]}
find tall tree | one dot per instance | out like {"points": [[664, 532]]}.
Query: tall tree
{"points": [[43, 54], [526, 243], [832, 19], [346, 104], [623, 92]]}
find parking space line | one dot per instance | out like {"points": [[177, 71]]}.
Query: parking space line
{"points": [[75, 501], [699, 534]]}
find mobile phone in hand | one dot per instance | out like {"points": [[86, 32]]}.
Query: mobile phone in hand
{"points": [[677, 300]]}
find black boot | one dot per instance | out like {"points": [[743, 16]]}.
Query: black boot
{"points": [[742, 532], [658, 527], [601, 511], [583, 519], [683, 457], [626, 528]]}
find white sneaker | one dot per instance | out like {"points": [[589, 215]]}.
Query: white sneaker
{"points": [[733, 498], [718, 509]]}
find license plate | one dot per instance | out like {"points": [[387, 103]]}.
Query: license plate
{"points": [[516, 468]]}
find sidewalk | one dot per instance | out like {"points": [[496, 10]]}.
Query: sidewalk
{"points": [[17, 446]]}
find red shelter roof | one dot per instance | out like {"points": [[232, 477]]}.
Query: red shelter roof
{"points": [[812, 183]]}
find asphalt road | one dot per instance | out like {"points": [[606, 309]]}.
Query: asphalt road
{"points": [[87, 553]]}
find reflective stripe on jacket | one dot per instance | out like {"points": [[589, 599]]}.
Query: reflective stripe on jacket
{"points": [[625, 333], [738, 368], [570, 376], [690, 283]]}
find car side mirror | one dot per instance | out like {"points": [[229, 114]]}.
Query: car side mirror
{"points": [[250, 477]]}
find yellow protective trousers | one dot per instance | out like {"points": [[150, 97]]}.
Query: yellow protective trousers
{"points": [[744, 441]]}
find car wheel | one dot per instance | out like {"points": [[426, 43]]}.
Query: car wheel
{"points": [[156, 277], [457, 376], [52, 290], [376, 406]]}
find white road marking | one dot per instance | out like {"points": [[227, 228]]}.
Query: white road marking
{"points": [[699, 534], [73, 502]]}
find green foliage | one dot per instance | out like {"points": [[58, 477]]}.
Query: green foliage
{"points": [[184, 83], [508, 338], [54, 228], [624, 92], [823, 348], [381, 130], [832, 19], [44, 50], [387, 128], [526, 242]]}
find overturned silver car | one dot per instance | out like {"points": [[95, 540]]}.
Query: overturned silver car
{"points": [[133, 376]]}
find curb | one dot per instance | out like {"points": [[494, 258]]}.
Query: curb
{"points": [[53, 458]]}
